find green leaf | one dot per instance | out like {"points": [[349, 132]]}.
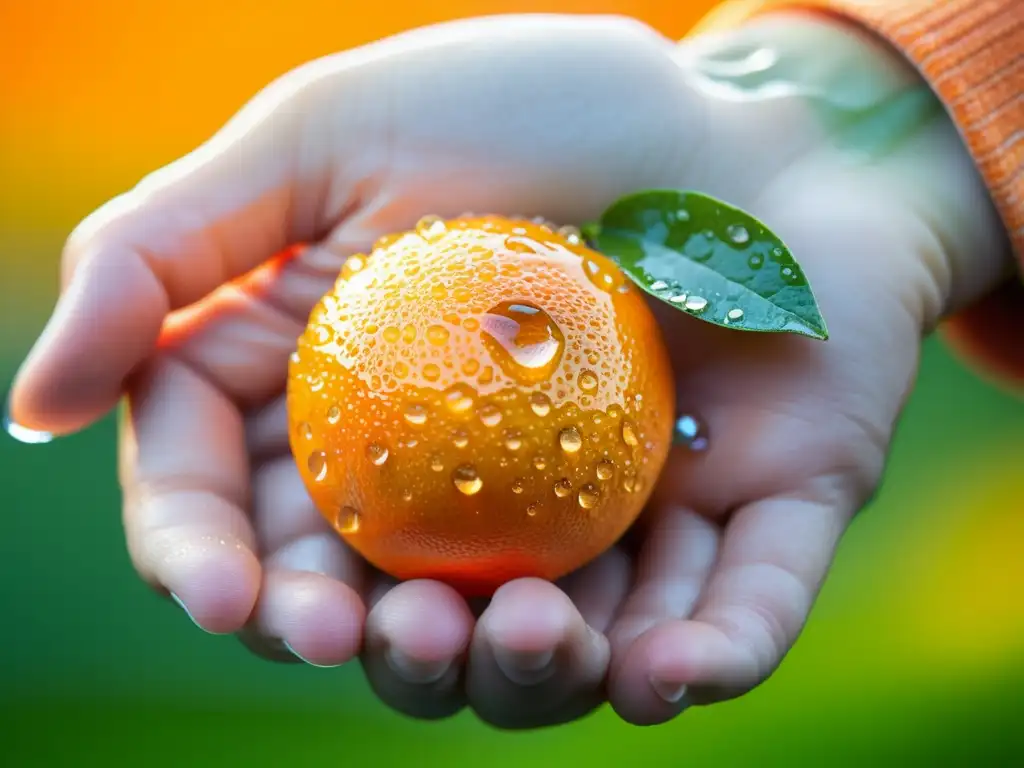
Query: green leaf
{"points": [[710, 260]]}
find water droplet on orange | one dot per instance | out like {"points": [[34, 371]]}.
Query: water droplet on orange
{"points": [[460, 438], [518, 486], [458, 398], [570, 440], [348, 520], [436, 463], [563, 488], [523, 339], [587, 381], [629, 436], [588, 496], [305, 431], [513, 439], [431, 228], [333, 414], [377, 454], [467, 480], [605, 469], [540, 404], [416, 414], [490, 415], [317, 464]]}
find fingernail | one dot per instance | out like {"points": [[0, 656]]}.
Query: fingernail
{"points": [[525, 667], [188, 613], [673, 693], [303, 659], [418, 671], [20, 433]]}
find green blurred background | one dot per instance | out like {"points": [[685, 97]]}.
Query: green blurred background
{"points": [[914, 655]]}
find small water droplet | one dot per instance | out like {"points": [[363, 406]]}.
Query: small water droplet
{"points": [[436, 463], [523, 339], [539, 463], [518, 486], [333, 414], [431, 372], [458, 398], [317, 464], [467, 480], [659, 285], [348, 520], [460, 438], [513, 439], [588, 496], [735, 313], [587, 381], [690, 432], [490, 415], [679, 298], [696, 303], [756, 261], [629, 481], [540, 403], [629, 436], [605, 469], [532, 509], [570, 440], [682, 215], [305, 430], [790, 275], [354, 263], [316, 384], [377, 454], [431, 228], [416, 414], [563, 488], [406, 495], [738, 234], [571, 233]]}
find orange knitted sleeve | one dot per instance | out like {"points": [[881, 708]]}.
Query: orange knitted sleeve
{"points": [[972, 54]]}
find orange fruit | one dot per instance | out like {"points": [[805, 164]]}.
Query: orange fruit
{"points": [[479, 400]]}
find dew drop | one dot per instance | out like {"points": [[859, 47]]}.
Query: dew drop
{"points": [[377, 454], [305, 430], [436, 463], [539, 463], [490, 415], [629, 481], [513, 439], [518, 486], [540, 404], [458, 399], [659, 285], [696, 303], [629, 436], [431, 372], [690, 432], [679, 298], [523, 339], [588, 496], [532, 509], [431, 228], [460, 438], [437, 335], [416, 414], [467, 480], [570, 440], [333, 414], [348, 520], [317, 464], [735, 314], [563, 488], [738, 234], [756, 261], [605, 469], [587, 381]]}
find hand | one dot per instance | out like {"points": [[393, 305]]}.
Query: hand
{"points": [[172, 297]]}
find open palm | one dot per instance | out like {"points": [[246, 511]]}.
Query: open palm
{"points": [[183, 295]]}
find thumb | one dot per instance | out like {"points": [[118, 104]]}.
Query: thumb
{"points": [[178, 235]]}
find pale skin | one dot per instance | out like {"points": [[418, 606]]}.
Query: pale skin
{"points": [[556, 117]]}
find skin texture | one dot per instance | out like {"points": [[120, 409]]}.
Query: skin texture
{"points": [[480, 400], [703, 598]]}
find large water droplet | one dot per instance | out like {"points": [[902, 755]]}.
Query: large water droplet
{"points": [[348, 520], [540, 404], [490, 415], [563, 488], [587, 381], [629, 436], [738, 234], [690, 432], [431, 228], [467, 480], [570, 440], [437, 335], [317, 465], [377, 454], [523, 339], [459, 398], [416, 414], [588, 496]]}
